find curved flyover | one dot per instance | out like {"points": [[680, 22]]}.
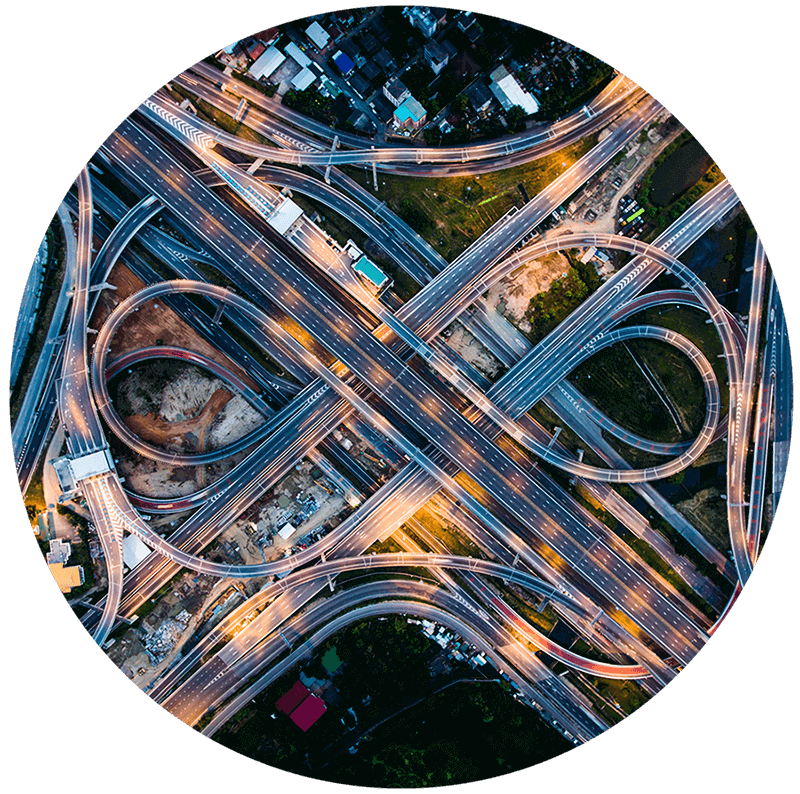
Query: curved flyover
{"points": [[533, 144], [478, 398]]}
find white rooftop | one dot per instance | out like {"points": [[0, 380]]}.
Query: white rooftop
{"points": [[303, 79], [284, 216], [134, 551], [509, 92], [267, 62], [89, 465], [286, 531], [296, 54], [318, 35]]}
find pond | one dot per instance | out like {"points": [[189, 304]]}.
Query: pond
{"points": [[678, 173]]}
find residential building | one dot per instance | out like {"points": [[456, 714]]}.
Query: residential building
{"points": [[67, 578], [509, 92], [422, 19], [267, 63], [343, 63], [396, 92], [436, 56], [410, 115], [360, 85], [480, 96], [318, 35]]}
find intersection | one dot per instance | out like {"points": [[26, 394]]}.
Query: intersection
{"points": [[382, 364]]}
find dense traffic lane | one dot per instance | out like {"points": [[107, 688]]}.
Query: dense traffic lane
{"points": [[359, 350]]}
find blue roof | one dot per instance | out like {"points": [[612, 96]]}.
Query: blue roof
{"points": [[344, 63], [410, 109], [371, 271]]}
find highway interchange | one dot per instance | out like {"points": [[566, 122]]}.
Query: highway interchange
{"points": [[357, 365]]}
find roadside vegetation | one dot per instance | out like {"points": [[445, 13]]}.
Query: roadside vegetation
{"points": [[451, 212], [51, 288], [422, 717], [548, 309], [679, 176]]}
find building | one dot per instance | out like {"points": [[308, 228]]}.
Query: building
{"points": [[290, 700], [384, 61], [343, 62], [371, 272], [303, 79], [462, 65], [470, 26], [371, 72], [509, 92], [410, 115], [303, 708], [436, 56], [353, 52], [286, 531], [396, 92], [370, 44], [292, 51], [360, 85], [308, 712], [134, 551], [480, 96], [422, 19], [267, 63], [91, 464], [66, 577], [268, 36], [317, 35], [284, 216]]}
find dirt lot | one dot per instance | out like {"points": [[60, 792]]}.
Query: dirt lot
{"points": [[152, 322], [472, 351], [512, 295], [187, 432]]}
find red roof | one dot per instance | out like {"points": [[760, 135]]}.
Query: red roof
{"points": [[290, 700], [308, 712]]}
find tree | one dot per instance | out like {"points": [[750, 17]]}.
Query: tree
{"points": [[516, 118]]}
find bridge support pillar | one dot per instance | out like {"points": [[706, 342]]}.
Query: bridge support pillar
{"points": [[255, 165]]}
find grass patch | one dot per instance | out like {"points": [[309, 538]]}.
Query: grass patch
{"points": [[451, 212], [612, 380]]}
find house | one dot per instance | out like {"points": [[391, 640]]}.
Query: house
{"points": [[378, 29], [317, 35], [66, 577], [384, 61], [470, 26], [370, 44], [343, 63], [509, 92], [436, 56], [410, 115], [462, 65], [422, 19], [395, 91], [360, 84], [352, 51], [372, 72], [268, 36], [479, 96]]}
